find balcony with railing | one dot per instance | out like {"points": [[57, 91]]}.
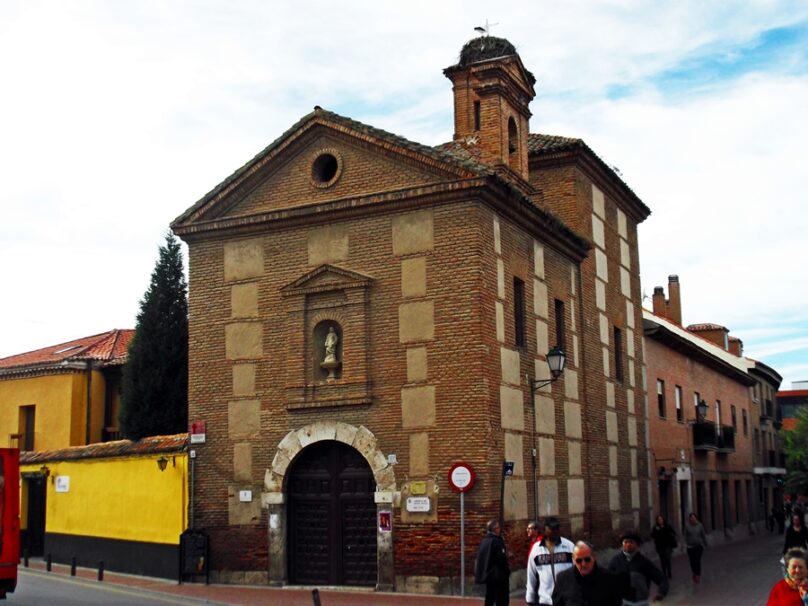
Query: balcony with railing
{"points": [[726, 439], [778, 418], [705, 436], [111, 434]]}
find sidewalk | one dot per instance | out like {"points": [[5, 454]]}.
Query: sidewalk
{"points": [[734, 574]]}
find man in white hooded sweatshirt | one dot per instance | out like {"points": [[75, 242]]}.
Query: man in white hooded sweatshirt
{"points": [[547, 559]]}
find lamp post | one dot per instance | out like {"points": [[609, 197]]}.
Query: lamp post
{"points": [[556, 360]]}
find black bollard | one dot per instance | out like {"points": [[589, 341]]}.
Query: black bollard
{"points": [[73, 566], [25, 557], [49, 563], [101, 570], [315, 597]]}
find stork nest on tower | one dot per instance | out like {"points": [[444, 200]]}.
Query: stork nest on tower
{"points": [[488, 47]]}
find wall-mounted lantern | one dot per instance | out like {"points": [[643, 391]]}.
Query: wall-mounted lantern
{"points": [[701, 410]]}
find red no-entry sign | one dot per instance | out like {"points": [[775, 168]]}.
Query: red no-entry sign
{"points": [[461, 477]]}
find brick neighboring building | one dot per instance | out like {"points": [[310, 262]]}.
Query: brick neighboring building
{"points": [[767, 419], [446, 274], [701, 464]]}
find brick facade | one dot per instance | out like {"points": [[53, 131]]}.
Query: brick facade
{"points": [[415, 257], [698, 466]]}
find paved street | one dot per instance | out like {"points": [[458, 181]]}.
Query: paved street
{"points": [[734, 574], [35, 588]]}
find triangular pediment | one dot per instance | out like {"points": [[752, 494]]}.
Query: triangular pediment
{"points": [[326, 278], [284, 177]]}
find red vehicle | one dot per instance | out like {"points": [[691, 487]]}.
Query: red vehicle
{"points": [[9, 519]]}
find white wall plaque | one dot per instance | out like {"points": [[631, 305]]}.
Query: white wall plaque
{"points": [[62, 484], [245, 496], [418, 504]]}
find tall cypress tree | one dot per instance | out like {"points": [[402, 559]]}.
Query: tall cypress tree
{"points": [[155, 377]]}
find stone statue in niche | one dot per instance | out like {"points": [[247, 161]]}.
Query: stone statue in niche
{"points": [[330, 364], [331, 341]]}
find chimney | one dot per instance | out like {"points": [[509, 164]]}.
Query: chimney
{"points": [[659, 302], [674, 300], [736, 346]]}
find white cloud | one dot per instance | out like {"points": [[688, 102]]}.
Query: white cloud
{"points": [[118, 116]]}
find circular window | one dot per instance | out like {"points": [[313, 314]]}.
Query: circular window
{"points": [[326, 168]]}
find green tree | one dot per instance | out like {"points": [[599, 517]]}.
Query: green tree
{"points": [[155, 377], [795, 445]]}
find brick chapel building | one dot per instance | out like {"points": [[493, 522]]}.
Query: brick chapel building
{"points": [[365, 311]]}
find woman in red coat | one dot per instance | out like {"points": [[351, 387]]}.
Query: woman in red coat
{"points": [[793, 589]]}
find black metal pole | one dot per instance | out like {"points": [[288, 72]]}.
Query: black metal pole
{"points": [[502, 495], [73, 566], [25, 557], [533, 451], [101, 570], [49, 562], [315, 597]]}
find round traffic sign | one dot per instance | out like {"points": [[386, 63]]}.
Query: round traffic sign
{"points": [[461, 477]]}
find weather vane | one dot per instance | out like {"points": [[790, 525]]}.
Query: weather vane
{"points": [[485, 31]]}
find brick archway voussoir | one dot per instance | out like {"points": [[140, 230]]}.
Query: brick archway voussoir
{"points": [[360, 438]]}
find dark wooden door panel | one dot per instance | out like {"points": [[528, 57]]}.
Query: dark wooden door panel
{"points": [[311, 554], [332, 517], [359, 542]]}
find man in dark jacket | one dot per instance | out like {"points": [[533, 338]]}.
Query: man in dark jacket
{"points": [[640, 570], [586, 584], [491, 566]]}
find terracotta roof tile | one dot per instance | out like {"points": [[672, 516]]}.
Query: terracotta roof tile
{"points": [[107, 348], [118, 448], [706, 326], [537, 143]]}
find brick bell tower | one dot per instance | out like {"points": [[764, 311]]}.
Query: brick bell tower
{"points": [[492, 91]]}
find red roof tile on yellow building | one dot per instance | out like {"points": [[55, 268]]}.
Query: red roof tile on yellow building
{"points": [[106, 349], [119, 448]]}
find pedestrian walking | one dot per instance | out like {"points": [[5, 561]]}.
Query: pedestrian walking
{"points": [[639, 570], [491, 566], [548, 558], [780, 518], [664, 542], [796, 533], [587, 584], [534, 536], [695, 542], [791, 590]]}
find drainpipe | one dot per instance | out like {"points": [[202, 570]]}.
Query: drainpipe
{"points": [[89, 400]]}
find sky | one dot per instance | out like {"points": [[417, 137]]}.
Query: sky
{"points": [[115, 117]]}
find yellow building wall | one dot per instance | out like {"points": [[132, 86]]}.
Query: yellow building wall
{"points": [[124, 498], [61, 407]]}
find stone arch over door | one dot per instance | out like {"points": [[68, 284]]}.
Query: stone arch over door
{"points": [[274, 497]]}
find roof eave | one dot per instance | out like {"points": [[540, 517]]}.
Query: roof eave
{"points": [[581, 154], [667, 337]]}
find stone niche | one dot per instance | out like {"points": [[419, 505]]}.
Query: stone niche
{"points": [[324, 298]]}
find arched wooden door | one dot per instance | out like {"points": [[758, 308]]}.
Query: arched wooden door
{"points": [[332, 517]]}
